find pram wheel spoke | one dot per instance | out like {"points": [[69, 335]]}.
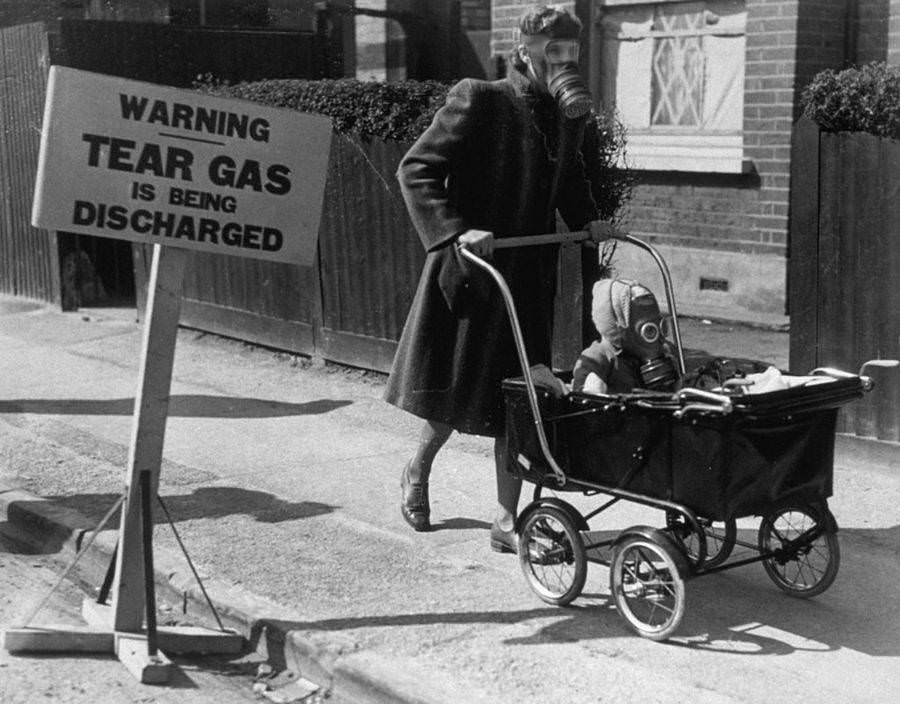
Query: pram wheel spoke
{"points": [[802, 542], [552, 555], [719, 536], [646, 583]]}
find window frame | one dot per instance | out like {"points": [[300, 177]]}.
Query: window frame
{"points": [[671, 147]]}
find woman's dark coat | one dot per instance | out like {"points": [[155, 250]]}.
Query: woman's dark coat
{"points": [[496, 157]]}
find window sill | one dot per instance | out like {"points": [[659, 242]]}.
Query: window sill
{"points": [[617, 3], [696, 153]]}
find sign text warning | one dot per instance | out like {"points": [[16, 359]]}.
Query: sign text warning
{"points": [[149, 163]]}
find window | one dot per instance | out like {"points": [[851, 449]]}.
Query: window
{"points": [[675, 71]]}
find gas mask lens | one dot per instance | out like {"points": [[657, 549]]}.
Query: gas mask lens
{"points": [[649, 332], [665, 326], [562, 51]]}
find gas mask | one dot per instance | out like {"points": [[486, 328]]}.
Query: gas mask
{"points": [[563, 81], [645, 339], [627, 314]]}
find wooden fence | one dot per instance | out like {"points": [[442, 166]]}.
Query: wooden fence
{"points": [[844, 264], [349, 307], [77, 270], [29, 261]]}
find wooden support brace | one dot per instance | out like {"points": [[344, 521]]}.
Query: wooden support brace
{"points": [[172, 639], [97, 616], [120, 627], [131, 649], [151, 409]]}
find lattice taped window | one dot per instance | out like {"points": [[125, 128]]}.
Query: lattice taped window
{"points": [[675, 72], [678, 66]]}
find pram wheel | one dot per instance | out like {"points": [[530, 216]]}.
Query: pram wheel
{"points": [[552, 555], [646, 581], [720, 537], [805, 546]]}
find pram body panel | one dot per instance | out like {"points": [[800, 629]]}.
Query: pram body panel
{"points": [[705, 456], [772, 448]]}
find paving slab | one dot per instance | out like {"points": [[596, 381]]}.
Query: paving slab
{"points": [[283, 481]]}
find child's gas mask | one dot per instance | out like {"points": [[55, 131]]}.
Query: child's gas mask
{"points": [[628, 316], [558, 62]]}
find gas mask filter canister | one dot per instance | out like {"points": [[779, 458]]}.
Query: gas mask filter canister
{"points": [[563, 80], [645, 339]]}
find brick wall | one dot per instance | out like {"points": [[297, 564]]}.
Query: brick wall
{"points": [[504, 18], [870, 40], [788, 41], [475, 15], [721, 218]]}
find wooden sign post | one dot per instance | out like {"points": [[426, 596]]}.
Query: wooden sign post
{"points": [[178, 170]]}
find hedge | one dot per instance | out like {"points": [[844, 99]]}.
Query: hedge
{"points": [[397, 111], [400, 111], [859, 99]]}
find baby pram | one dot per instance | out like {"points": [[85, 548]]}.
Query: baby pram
{"points": [[703, 457]]}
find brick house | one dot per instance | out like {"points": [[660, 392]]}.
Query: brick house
{"points": [[709, 91]]}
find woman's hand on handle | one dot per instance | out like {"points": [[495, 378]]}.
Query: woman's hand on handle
{"points": [[480, 242], [601, 230]]}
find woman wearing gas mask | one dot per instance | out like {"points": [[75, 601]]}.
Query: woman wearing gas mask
{"points": [[499, 159]]}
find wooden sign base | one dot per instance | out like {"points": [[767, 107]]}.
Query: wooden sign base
{"points": [[120, 628]]}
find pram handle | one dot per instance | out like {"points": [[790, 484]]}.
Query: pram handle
{"points": [[601, 231], [701, 408], [519, 340], [867, 382]]}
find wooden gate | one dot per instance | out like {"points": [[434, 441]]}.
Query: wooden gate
{"points": [[844, 262]]}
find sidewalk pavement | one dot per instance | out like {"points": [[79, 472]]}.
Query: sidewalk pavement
{"points": [[282, 477]]}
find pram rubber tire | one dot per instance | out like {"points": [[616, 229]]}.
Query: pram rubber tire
{"points": [[646, 581], [812, 568], [550, 545]]}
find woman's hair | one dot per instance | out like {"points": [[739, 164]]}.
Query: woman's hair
{"points": [[555, 23]]}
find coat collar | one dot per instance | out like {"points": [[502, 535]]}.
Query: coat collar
{"points": [[520, 83], [523, 87]]}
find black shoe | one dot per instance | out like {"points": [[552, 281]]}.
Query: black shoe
{"points": [[414, 503], [504, 540]]}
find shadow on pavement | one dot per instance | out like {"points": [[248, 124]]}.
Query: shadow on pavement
{"points": [[736, 612], [207, 502], [271, 631], [83, 512], [460, 523], [742, 612], [186, 405]]}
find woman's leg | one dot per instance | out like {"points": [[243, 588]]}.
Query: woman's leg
{"points": [[509, 488], [431, 439], [414, 481]]}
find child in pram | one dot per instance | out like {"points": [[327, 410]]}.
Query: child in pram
{"points": [[632, 352]]}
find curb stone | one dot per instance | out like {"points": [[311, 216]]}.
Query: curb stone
{"points": [[349, 675]]}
